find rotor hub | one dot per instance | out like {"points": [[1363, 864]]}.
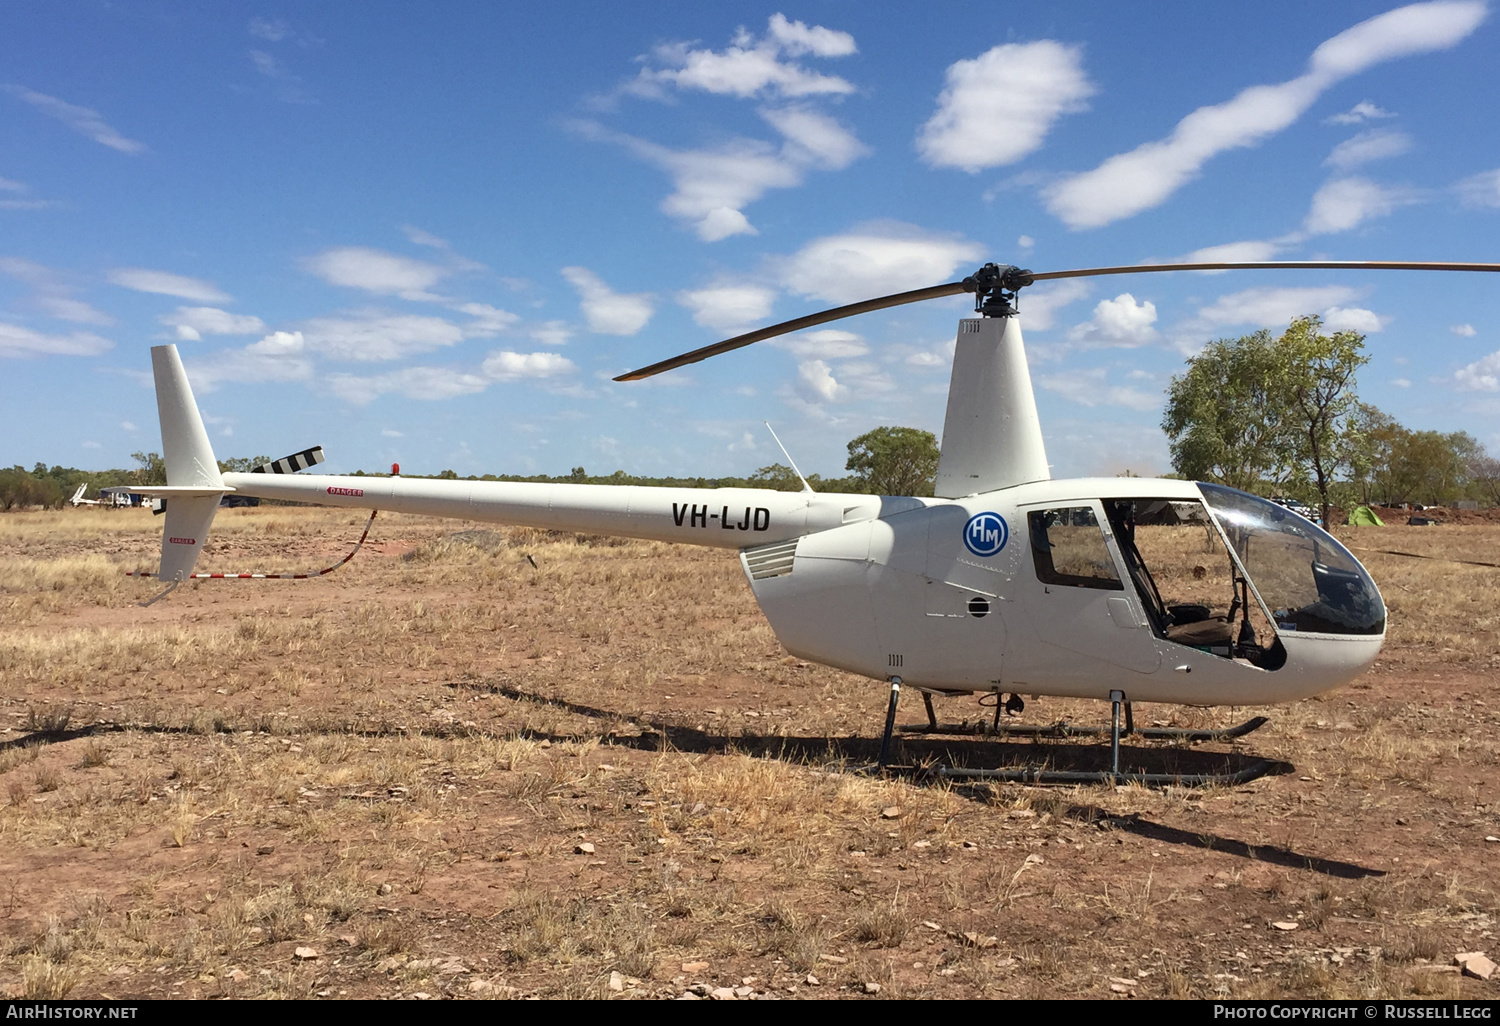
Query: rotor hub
{"points": [[995, 288]]}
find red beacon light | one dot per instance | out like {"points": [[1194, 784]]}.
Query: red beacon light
{"points": [[395, 470]]}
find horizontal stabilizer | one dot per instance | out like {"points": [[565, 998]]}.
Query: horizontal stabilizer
{"points": [[293, 463]]}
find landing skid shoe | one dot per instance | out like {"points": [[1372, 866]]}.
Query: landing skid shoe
{"points": [[1038, 775]]}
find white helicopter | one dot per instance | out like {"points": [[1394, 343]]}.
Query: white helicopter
{"points": [[1005, 582]]}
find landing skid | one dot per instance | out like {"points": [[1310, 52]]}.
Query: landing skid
{"points": [[1039, 775]]}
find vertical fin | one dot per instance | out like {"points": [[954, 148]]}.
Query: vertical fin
{"points": [[189, 458]]}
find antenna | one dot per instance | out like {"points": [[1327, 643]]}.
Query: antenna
{"points": [[806, 488]]}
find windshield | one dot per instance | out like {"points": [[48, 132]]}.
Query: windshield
{"points": [[1309, 581]]}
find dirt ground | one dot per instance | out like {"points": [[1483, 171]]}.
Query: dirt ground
{"points": [[495, 763]]}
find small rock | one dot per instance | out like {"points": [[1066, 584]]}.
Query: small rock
{"points": [[384, 888], [1493, 839], [688, 995], [422, 995], [349, 939], [835, 959], [265, 849], [1283, 924], [722, 994], [872, 987], [386, 965], [1476, 964], [1120, 988], [585, 848], [306, 953], [237, 975], [931, 925], [694, 967], [1123, 981], [743, 992], [812, 981], [891, 812], [921, 844], [617, 983], [1021, 814], [971, 846]]}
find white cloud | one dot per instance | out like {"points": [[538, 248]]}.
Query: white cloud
{"points": [[430, 383], [392, 433], [874, 260], [1375, 144], [377, 335], [1039, 304], [377, 271], [127, 425], [1401, 382], [11, 185], [51, 293], [1366, 322], [1481, 190], [80, 119], [726, 307], [1128, 183], [552, 333], [816, 381], [18, 341], [273, 31], [1119, 321], [1359, 114], [1482, 375], [1463, 330], [1025, 242], [751, 67], [165, 283], [999, 106], [1278, 307], [280, 356], [1091, 388], [1246, 252], [1346, 202], [488, 320], [422, 238], [926, 359], [797, 39], [608, 312], [503, 365], [826, 344], [814, 138], [193, 322]]}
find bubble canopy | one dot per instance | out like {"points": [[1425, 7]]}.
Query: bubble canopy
{"points": [[1308, 581]]}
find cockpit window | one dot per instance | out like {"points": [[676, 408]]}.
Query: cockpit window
{"points": [[1068, 548], [1308, 580]]}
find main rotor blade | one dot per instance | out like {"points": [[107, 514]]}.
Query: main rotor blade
{"points": [[797, 324], [1335, 265], [956, 288]]}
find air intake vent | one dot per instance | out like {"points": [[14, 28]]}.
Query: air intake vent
{"points": [[968, 326], [770, 560]]}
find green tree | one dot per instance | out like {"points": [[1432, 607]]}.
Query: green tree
{"points": [[778, 476], [152, 469], [1257, 411], [895, 461], [1319, 377], [1227, 415]]}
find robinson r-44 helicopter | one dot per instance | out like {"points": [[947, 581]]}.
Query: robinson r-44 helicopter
{"points": [[1005, 581]]}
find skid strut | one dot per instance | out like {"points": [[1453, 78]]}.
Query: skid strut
{"points": [[1116, 730]]}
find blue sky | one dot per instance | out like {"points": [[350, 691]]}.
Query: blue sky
{"points": [[432, 233]]}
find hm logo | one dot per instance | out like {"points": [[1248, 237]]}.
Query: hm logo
{"points": [[986, 534]]}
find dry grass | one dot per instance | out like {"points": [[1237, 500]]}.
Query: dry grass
{"points": [[400, 766]]}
